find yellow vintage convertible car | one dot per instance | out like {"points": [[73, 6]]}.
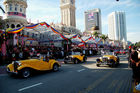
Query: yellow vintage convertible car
{"points": [[110, 60], [25, 68], [75, 57]]}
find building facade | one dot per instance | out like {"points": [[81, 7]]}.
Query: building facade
{"points": [[117, 26], [93, 20], [68, 12], [15, 11]]}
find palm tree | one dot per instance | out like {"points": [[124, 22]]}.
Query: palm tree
{"points": [[103, 37], [96, 34]]}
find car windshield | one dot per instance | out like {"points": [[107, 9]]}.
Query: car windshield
{"points": [[74, 53]]}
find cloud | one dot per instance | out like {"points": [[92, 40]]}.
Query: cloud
{"points": [[133, 36]]}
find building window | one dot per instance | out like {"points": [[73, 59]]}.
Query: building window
{"points": [[12, 26], [10, 7], [18, 25], [21, 8], [16, 6], [7, 26]]}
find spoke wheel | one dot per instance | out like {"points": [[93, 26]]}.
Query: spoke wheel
{"points": [[55, 68], [75, 61], [25, 73]]}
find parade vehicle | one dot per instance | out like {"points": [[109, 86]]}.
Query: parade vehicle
{"points": [[110, 60], [25, 68], [75, 57]]}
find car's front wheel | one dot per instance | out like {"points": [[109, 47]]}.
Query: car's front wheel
{"points": [[75, 61], [85, 59], [55, 67], [97, 65], [65, 62], [25, 73]]}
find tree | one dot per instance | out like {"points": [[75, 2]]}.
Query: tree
{"points": [[103, 37], [137, 44], [96, 34]]}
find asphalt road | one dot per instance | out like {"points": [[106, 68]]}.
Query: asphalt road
{"points": [[74, 78]]}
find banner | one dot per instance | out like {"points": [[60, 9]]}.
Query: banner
{"points": [[16, 30], [73, 36], [32, 26]]}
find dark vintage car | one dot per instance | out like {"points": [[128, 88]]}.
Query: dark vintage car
{"points": [[75, 57], [110, 60]]}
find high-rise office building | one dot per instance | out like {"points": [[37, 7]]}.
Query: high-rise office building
{"points": [[117, 26], [93, 20]]}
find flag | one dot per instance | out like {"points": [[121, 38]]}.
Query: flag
{"points": [[73, 36], [16, 30], [32, 26]]}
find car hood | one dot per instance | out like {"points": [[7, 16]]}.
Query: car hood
{"points": [[73, 55], [110, 56], [29, 60]]}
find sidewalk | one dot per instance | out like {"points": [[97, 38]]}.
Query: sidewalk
{"points": [[3, 69]]}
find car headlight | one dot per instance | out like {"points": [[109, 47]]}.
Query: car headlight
{"points": [[19, 63], [71, 56]]}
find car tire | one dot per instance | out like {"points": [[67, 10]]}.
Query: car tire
{"points": [[75, 61], [55, 67], [118, 60], [113, 65], [25, 73], [85, 59], [65, 62], [97, 65]]}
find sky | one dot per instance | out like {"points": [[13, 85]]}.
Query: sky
{"points": [[49, 11]]}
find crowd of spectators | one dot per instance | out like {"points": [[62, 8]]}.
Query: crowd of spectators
{"points": [[21, 53]]}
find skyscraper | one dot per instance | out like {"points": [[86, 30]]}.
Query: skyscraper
{"points": [[93, 20], [68, 12], [117, 26]]}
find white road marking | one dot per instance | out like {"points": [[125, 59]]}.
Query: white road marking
{"points": [[30, 86], [80, 70]]}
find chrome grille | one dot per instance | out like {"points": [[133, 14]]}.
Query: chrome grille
{"points": [[104, 59]]}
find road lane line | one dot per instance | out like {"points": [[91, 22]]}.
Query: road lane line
{"points": [[30, 86], [80, 70], [96, 83]]}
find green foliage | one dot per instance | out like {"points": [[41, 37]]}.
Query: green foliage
{"points": [[96, 34], [104, 37], [137, 44]]}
